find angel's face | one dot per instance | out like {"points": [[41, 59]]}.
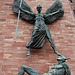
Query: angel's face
{"points": [[39, 8]]}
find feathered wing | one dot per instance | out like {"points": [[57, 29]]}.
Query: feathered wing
{"points": [[54, 8], [24, 6]]}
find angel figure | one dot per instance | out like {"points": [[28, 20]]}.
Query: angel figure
{"points": [[41, 31]]}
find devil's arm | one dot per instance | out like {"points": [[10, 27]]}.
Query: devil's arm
{"points": [[66, 69], [68, 72]]}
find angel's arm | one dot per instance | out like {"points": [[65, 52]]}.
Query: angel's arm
{"points": [[51, 14], [25, 11], [54, 12]]}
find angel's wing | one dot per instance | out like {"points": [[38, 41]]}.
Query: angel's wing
{"points": [[24, 6], [52, 10]]}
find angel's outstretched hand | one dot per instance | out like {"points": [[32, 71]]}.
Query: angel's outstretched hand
{"points": [[60, 9]]}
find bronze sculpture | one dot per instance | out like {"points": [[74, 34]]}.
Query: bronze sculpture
{"points": [[41, 31], [60, 68]]}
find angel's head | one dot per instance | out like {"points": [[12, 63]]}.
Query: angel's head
{"points": [[39, 8]]}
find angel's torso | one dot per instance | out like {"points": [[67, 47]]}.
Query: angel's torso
{"points": [[39, 22]]}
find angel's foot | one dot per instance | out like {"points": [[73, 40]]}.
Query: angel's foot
{"points": [[28, 52], [56, 52]]}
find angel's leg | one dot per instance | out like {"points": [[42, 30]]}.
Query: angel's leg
{"points": [[51, 42], [28, 52], [28, 70], [53, 46]]}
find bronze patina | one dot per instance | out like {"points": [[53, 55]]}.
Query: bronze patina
{"points": [[59, 68], [41, 31]]}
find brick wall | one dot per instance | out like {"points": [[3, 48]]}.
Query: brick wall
{"points": [[73, 6], [12, 55]]}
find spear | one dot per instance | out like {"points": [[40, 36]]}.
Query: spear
{"points": [[17, 22]]}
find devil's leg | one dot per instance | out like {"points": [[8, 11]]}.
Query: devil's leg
{"points": [[28, 70], [21, 72]]}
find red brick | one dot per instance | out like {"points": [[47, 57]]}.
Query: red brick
{"points": [[12, 55]]}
